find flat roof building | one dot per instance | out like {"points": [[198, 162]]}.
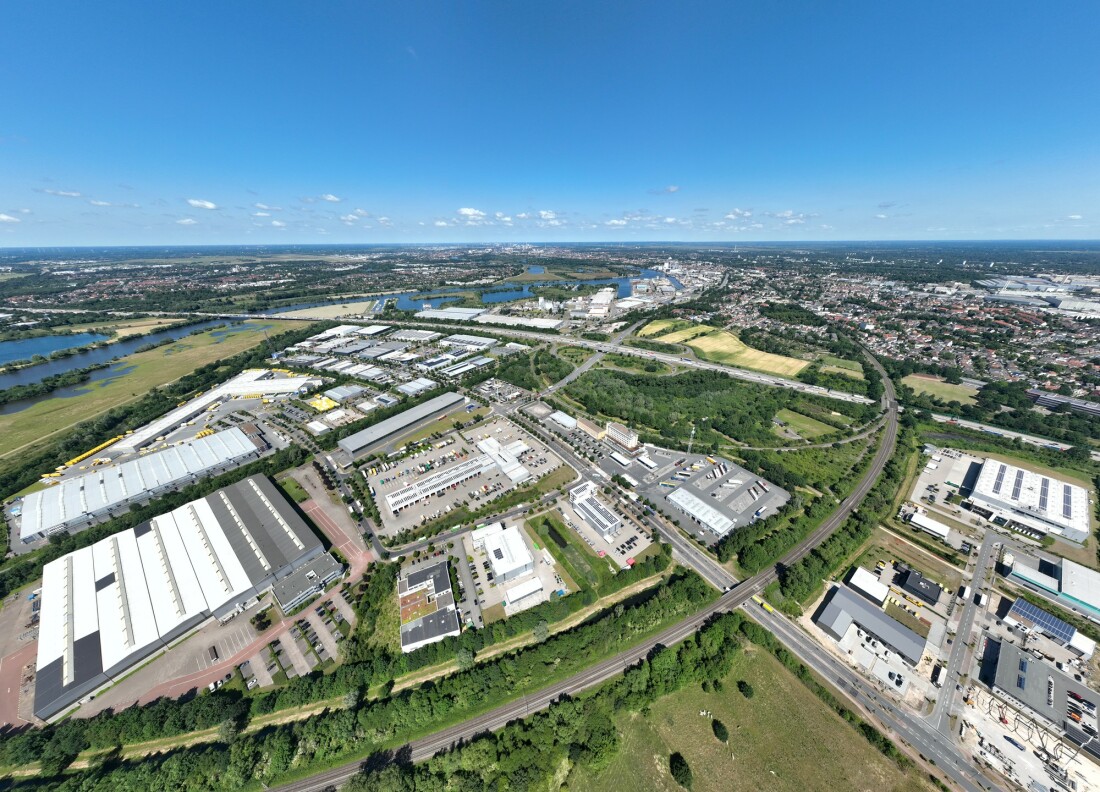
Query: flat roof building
{"points": [[587, 504], [373, 436], [844, 609], [1040, 502], [427, 605], [108, 606], [1030, 618], [509, 557], [928, 525], [80, 501], [701, 511], [919, 586], [869, 586], [622, 436]]}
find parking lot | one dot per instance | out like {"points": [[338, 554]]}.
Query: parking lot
{"points": [[622, 547], [456, 449], [730, 490]]}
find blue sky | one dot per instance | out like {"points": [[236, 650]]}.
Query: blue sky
{"points": [[264, 121]]}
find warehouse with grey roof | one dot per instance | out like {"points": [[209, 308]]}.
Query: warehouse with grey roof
{"points": [[372, 437]]}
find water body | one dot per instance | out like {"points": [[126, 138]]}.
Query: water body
{"points": [[26, 348], [416, 300], [33, 374]]}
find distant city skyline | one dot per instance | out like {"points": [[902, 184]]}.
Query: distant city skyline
{"points": [[280, 123]]}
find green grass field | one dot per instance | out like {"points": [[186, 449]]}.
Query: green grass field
{"points": [[835, 365], [663, 326], [806, 427], [575, 355], [936, 387], [784, 738], [149, 370], [292, 488]]}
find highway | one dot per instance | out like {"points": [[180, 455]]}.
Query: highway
{"points": [[608, 669]]}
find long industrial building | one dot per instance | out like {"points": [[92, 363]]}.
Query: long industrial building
{"points": [[255, 383], [80, 501], [108, 606], [1031, 499], [373, 436], [702, 512], [844, 609]]}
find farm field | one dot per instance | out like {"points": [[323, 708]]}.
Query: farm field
{"points": [[938, 388], [722, 346], [807, 427], [143, 371], [784, 720]]}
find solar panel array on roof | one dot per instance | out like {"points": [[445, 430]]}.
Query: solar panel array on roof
{"points": [[1067, 501], [1044, 494], [1000, 479], [1017, 485], [1037, 618]]}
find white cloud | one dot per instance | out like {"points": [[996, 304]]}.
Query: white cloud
{"points": [[330, 198], [94, 202], [278, 224], [615, 223], [199, 203], [349, 219], [546, 214], [362, 213], [880, 217], [670, 220], [63, 193], [553, 223], [523, 215], [441, 223], [7, 218], [1073, 217], [471, 213], [261, 214], [187, 221], [502, 217], [737, 214], [793, 221], [267, 208], [385, 221]]}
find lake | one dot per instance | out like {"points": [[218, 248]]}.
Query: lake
{"points": [[26, 348]]}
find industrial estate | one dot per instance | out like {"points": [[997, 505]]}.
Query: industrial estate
{"points": [[381, 498]]}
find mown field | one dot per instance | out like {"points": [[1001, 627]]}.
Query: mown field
{"points": [[145, 370], [806, 427], [784, 738], [835, 365], [938, 388], [720, 346]]}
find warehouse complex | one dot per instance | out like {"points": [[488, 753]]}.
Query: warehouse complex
{"points": [[702, 512], [374, 436], [1033, 500], [589, 508], [80, 501], [252, 383], [107, 607]]}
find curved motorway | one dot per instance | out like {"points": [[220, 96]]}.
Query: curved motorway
{"points": [[427, 747]]}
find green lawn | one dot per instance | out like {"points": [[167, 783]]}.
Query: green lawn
{"points": [[784, 738], [807, 427], [292, 488], [939, 389], [575, 355], [147, 370]]}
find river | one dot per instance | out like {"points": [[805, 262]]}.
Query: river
{"points": [[416, 300], [27, 348]]}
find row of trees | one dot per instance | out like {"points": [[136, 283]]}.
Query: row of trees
{"points": [[265, 755]]}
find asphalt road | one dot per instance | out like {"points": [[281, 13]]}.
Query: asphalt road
{"points": [[956, 667], [608, 669]]}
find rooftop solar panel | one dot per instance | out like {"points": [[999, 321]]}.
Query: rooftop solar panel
{"points": [[1044, 492], [1000, 479], [1067, 501], [1017, 484], [1046, 622]]}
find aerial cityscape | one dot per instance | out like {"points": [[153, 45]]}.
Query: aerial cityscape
{"points": [[482, 396]]}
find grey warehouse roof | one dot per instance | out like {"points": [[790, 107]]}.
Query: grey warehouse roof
{"points": [[363, 440], [845, 607]]}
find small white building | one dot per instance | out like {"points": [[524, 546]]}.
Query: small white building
{"points": [[869, 586], [509, 557]]}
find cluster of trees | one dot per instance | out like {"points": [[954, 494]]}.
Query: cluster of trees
{"points": [[19, 472], [803, 578], [717, 406], [535, 752], [791, 313], [654, 346], [267, 754], [532, 370]]}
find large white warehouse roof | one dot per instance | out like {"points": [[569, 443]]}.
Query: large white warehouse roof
{"points": [[80, 499], [107, 606], [1033, 499]]}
